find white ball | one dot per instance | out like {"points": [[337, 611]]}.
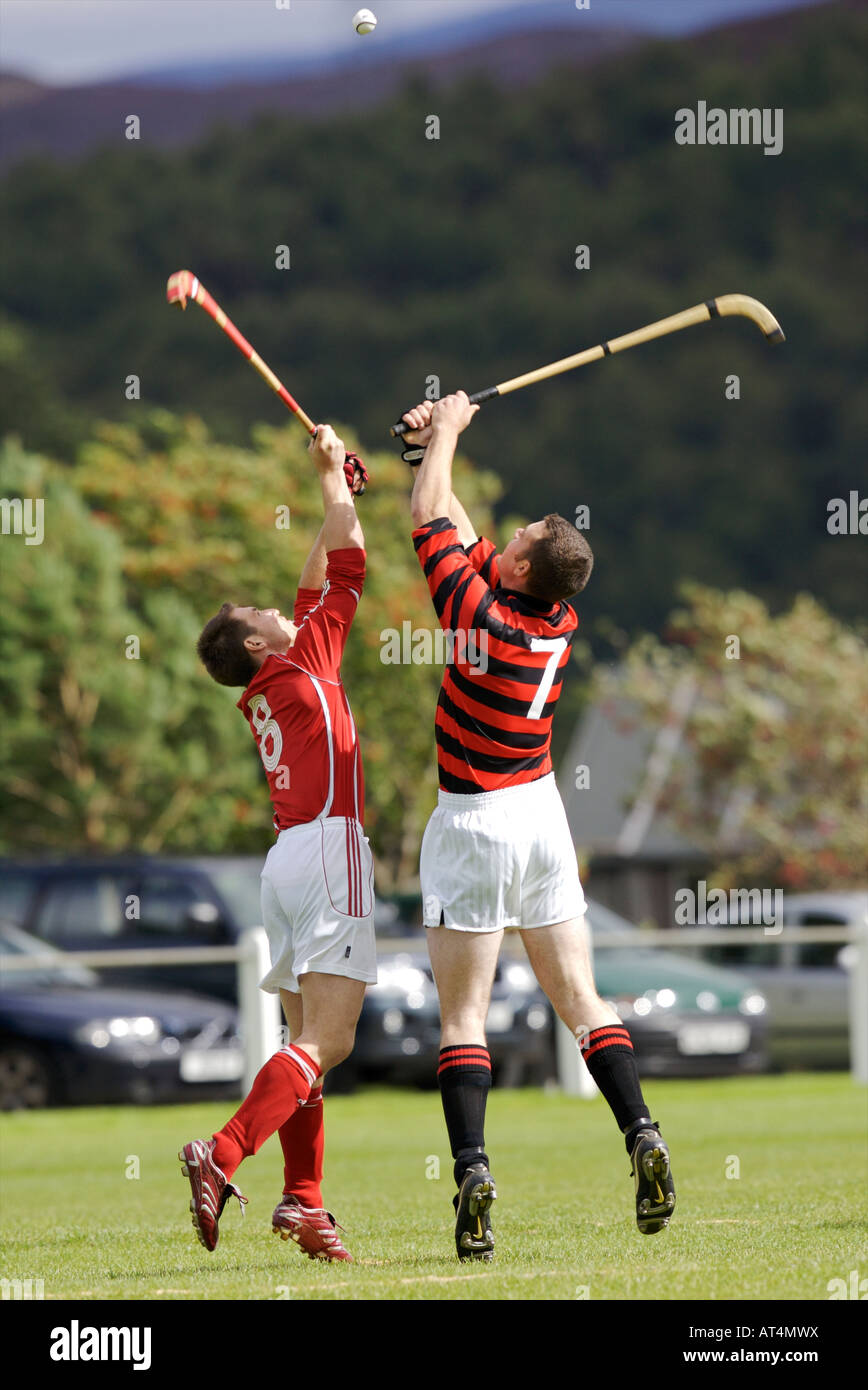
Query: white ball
{"points": [[364, 21]]}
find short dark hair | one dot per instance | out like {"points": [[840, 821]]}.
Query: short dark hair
{"points": [[222, 651], [560, 561]]}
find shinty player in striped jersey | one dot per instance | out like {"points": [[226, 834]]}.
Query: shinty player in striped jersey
{"points": [[317, 883], [497, 852]]}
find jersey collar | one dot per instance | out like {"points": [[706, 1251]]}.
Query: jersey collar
{"points": [[530, 602]]}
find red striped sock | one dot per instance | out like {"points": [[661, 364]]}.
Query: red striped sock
{"points": [[280, 1087], [464, 1076], [302, 1138], [608, 1053]]}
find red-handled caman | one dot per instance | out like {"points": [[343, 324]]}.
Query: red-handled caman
{"points": [[184, 285]]}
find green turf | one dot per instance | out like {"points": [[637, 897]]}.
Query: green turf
{"points": [[564, 1219]]}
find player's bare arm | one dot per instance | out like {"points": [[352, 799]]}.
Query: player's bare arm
{"points": [[341, 528], [313, 575], [438, 426], [314, 572], [420, 418]]}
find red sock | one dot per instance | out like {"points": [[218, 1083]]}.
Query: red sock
{"points": [[280, 1087], [302, 1139]]}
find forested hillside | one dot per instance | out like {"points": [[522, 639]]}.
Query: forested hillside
{"points": [[456, 256]]}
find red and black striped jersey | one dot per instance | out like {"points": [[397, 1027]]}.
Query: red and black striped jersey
{"points": [[505, 669], [298, 710]]}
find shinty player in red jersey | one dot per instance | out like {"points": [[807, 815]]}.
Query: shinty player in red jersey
{"points": [[497, 853], [317, 883]]}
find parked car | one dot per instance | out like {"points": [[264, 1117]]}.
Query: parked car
{"points": [[65, 1039], [134, 902], [806, 983], [398, 1036], [686, 1017]]}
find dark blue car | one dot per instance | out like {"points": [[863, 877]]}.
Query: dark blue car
{"points": [[65, 1039]]}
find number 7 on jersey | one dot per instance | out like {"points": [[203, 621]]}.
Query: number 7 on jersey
{"points": [[556, 646]]}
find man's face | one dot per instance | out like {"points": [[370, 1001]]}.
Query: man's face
{"points": [[272, 632], [513, 562]]}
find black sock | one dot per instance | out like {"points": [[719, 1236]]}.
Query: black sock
{"points": [[608, 1053], [464, 1075]]}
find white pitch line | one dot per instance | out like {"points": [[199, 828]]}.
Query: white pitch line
{"points": [[442, 1279]]}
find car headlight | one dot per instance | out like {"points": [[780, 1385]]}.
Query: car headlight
{"points": [[623, 1006], [101, 1032], [752, 1003], [519, 976], [708, 1001], [400, 979]]}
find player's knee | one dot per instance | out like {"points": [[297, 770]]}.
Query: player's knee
{"points": [[463, 1026], [338, 1047]]}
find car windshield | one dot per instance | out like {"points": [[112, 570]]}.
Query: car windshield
{"points": [[16, 891], [237, 880], [14, 942], [604, 921]]}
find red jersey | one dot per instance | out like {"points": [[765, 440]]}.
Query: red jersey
{"points": [[497, 701], [297, 707]]}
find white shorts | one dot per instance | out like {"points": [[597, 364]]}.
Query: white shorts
{"points": [[500, 859], [318, 904]]}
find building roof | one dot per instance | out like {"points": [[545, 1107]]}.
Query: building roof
{"points": [[622, 811]]}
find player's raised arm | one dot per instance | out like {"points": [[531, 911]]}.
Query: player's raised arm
{"points": [[341, 528], [420, 418], [432, 491], [324, 618], [467, 532], [314, 572]]}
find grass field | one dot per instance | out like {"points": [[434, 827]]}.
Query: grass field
{"points": [[792, 1220]]}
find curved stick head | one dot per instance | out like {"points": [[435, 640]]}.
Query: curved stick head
{"points": [[752, 309], [180, 287]]}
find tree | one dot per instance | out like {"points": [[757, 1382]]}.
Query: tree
{"points": [[773, 783]]}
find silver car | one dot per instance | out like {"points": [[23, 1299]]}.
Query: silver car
{"points": [[806, 983]]}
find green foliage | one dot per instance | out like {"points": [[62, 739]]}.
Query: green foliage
{"points": [[30, 399], [144, 539], [773, 783], [456, 257]]}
